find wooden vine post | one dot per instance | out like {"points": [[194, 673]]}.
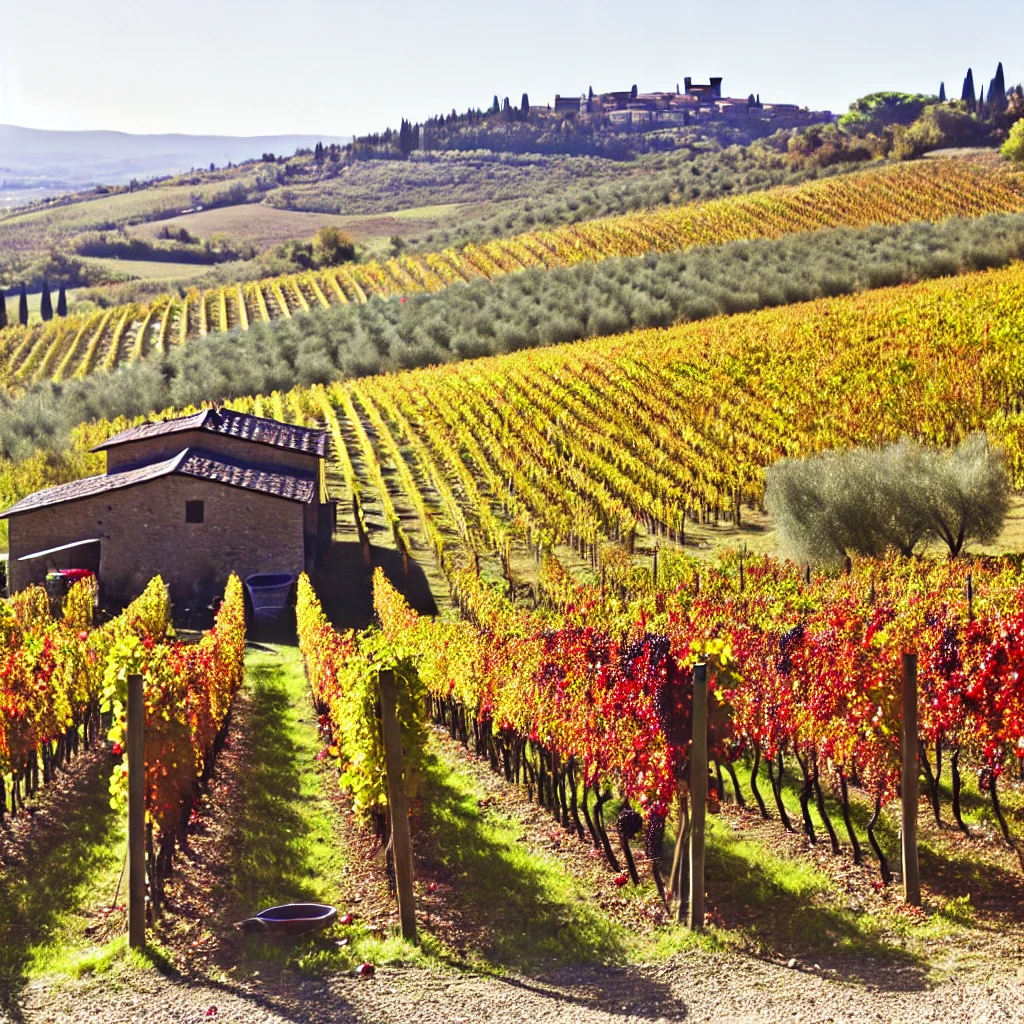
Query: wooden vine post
{"points": [[909, 784], [135, 744], [401, 844], [698, 796]]}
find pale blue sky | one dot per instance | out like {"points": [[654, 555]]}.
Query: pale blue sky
{"points": [[248, 67]]}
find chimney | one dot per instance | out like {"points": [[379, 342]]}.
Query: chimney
{"points": [[687, 82]]}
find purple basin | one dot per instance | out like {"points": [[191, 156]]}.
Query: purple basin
{"points": [[292, 918]]}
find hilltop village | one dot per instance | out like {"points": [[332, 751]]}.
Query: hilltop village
{"points": [[695, 103]]}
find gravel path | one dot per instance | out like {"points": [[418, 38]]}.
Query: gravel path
{"points": [[693, 988]]}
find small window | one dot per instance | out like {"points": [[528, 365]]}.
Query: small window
{"points": [[194, 511]]}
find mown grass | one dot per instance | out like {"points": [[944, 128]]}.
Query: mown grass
{"points": [[520, 909], [284, 840], [71, 866]]}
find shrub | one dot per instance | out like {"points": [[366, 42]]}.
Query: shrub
{"points": [[869, 500], [1013, 147], [331, 247]]}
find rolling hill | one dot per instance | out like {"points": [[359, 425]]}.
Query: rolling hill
{"points": [[34, 160], [925, 191]]}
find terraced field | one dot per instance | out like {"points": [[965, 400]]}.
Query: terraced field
{"points": [[934, 191]]}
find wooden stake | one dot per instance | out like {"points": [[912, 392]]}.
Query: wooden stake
{"points": [[699, 795], [909, 783], [401, 845], [677, 854], [135, 742]]}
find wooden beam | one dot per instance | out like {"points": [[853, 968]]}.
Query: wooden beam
{"points": [[698, 796], [909, 783], [401, 844], [135, 743]]}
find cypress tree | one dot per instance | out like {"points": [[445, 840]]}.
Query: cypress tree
{"points": [[3, 310], [942, 92], [62, 302], [45, 303], [997, 91], [23, 307], [981, 102], [495, 106], [632, 93], [525, 107], [967, 95], [590, 91]]}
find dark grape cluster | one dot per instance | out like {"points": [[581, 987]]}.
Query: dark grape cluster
{"points": [[650, 647], [948, 660], [671, 708], [628, 823], [787, 642], [654, 835]]}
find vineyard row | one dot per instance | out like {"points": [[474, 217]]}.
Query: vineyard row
{"points": [[647, 433], [76, 346]]}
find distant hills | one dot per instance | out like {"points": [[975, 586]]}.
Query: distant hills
{"points": [[34, 162]]}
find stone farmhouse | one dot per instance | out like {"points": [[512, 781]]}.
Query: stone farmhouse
{"points": [[696, 103], [193, 499]]}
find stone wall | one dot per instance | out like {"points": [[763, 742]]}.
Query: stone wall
{"points": [[142, 532]]}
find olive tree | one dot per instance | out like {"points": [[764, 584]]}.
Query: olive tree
{"points": [[870, 500], [968, 493]]}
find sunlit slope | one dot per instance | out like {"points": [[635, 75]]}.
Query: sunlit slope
{"points": [[648, 431], [927, 190]]}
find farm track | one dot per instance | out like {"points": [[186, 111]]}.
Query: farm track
{"points": [[932, 190], [694, 988]]}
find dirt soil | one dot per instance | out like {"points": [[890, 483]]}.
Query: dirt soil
{"points": [[691, 987]]}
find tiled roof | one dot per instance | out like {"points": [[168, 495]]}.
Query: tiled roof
{"points": [[193, 462], [291, 485], [231, 424], [90, 486]]}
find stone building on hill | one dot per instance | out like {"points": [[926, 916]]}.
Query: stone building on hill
{"points": [[696, 103], [193, 499]]}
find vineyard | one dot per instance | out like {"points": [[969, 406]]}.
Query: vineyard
{"points": [[71, 347], [634, 437], [638, 436], [525, 463], [552, 494], [63, 688], [591, 695]]}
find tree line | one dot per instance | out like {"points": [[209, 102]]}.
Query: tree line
{"points": [[46, 308]]}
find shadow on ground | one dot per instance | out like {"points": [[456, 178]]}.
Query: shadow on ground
{"points": [[42, 877], [344, 584], [500, 901], [789, 906]]}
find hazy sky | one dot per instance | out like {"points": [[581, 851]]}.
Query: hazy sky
{"points": [[247, 67]]}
